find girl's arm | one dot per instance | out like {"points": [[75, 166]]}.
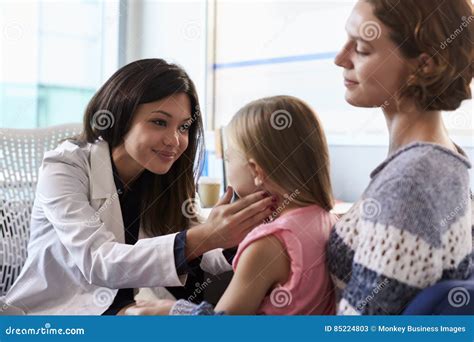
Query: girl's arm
{"points": [[262, 265]]}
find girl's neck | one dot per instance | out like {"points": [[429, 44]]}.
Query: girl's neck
{"points": [[412, 125], [284, 205], [128, 169]]}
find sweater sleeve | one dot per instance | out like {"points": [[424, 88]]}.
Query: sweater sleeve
{"points": [[183, 307], [398, 252]]}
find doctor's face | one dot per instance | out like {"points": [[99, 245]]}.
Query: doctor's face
{"points": [[159, 133], [374, 68]]}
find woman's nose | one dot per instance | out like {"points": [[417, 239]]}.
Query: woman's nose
{"points": [[171, 139], [343, 58]]}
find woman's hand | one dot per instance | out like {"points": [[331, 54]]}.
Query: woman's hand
{"points": [[160, 307], [229, 223]]}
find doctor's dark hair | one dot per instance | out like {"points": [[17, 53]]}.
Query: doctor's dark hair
{"points": [[109, 116]]}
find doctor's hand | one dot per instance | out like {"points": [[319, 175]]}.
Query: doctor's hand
{"points": [[228, 223], [159, 307]]}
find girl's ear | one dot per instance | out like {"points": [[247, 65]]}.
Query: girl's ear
{"points": [[257, 172]]}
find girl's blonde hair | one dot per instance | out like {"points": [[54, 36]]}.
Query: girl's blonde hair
{"points": [[285, 138]]}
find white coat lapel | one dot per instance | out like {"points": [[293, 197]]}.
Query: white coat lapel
{"points": [[104, 197]]}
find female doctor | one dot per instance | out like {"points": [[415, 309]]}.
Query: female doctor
{"points": [[114, 207]]}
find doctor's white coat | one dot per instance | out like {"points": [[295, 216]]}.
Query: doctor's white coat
{"points": [[77, 256]]}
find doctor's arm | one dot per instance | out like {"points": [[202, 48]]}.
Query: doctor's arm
{"points": [[62, 193]]}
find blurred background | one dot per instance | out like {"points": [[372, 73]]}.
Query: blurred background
{"points": [[54, 55]]}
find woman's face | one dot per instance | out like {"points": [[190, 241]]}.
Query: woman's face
{"points": [[374, 69], [159, 133]]}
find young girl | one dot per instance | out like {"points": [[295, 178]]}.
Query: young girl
{"points": [[277, 144]]}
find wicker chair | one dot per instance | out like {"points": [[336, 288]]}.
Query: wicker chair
{"points": [[21, 154]]}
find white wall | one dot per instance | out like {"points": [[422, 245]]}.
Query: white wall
{"points": [[176, 31], [172, 30], [352, 165]]}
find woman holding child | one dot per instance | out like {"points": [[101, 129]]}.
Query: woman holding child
{"points": [[396, 240]]}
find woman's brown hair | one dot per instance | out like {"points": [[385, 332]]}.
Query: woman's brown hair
{"points": [[444, 30], [285, 138], [144, 81]]}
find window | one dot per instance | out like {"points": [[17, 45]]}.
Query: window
{"points": [[269, 48], [53, 57]]}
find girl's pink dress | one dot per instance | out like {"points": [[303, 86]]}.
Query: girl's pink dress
{"points": [[309, 291]]}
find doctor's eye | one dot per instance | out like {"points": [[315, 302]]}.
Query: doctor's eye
{"points": [[160, 123]]}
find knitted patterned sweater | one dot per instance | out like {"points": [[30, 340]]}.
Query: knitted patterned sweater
{"points": [[411, 229]]}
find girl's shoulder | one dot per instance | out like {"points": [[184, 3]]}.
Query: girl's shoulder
{"points": [[294, 221], [263, 242], [302, 229], [264, 230]]}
